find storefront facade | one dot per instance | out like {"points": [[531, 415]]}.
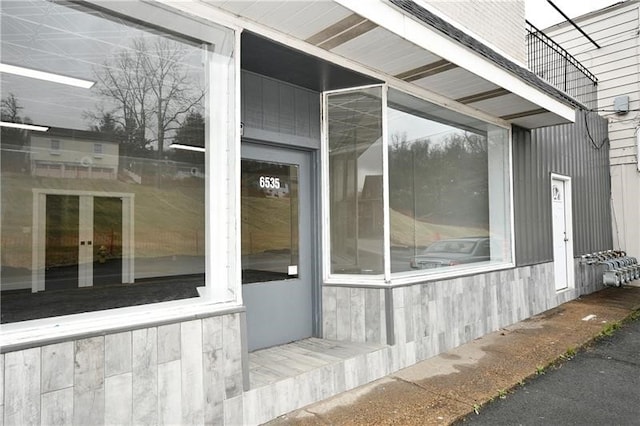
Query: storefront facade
{"points": [[187, 186]]}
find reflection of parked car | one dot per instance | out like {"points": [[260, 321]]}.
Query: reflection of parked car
{"points": [[453, 252]]}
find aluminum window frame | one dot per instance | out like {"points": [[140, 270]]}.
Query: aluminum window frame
{"points": [[388, 279]]}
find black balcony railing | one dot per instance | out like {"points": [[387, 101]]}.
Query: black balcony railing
{"points": [[550, 61]]}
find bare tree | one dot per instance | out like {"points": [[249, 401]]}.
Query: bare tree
{"points": [[12, 140], [11, 109], [150, 90]]}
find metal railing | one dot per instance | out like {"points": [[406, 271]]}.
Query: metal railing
{"points": [[550, 61]]}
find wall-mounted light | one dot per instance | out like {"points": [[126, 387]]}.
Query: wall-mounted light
{"points": [[47, 76], [23, 126], [187, 147]]}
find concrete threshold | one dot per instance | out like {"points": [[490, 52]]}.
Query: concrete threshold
{"points": [[450, 386]]}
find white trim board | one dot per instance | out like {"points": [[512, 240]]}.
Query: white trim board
{"points": [[410, 29]]}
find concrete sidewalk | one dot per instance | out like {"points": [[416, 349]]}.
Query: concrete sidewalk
{"points": [[445, 388]]}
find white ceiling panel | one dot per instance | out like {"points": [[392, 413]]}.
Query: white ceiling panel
{"points": [[538, 120], [235, 7], [299, 18], [456, 83], [314, 18], [409, 62], [382, 50], [505, 105]]}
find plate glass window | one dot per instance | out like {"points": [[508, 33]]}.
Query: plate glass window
{"points": [[99, 210], [355, 189], [448, 187]]}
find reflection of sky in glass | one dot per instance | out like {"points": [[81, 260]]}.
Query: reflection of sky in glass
{"points": [[50, 37], [416, 128]]}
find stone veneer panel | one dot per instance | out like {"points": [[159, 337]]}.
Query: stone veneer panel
{"points": [[588, 277], [22, 393], [117, 354], [213, 377], [232, 355], [118, 396], [170, 391], [88, 378], [433, 317], [354, 314], [145, 376], [119, 378], [191, 372], [169, 343], [57, 367], [57, 407]]}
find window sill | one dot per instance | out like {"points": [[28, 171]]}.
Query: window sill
{"points": [[411, 277], [40, 332]]}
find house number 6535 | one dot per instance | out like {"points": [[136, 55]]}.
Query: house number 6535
{"points": [[269, 182]]}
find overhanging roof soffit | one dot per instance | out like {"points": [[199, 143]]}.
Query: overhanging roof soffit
{"points": [[426, 70], [524, 114], [483, 96], [401, 42], [341, 32]]}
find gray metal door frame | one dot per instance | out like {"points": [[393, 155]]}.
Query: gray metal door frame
{"points": [[260, 297]]}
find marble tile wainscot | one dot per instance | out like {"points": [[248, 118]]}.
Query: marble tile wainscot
{"points": [[179, 373]]}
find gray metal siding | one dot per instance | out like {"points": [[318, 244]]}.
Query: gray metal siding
{"points": [[278, 107], [565, 150]]}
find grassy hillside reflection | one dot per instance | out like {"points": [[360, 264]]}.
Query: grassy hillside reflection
{"points": [[168, 221], [266, 224]]}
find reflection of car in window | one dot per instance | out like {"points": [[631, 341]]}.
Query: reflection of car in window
{"points": [[453, 252]]}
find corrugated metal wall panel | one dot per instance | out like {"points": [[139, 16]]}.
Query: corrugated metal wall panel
{"points": [[573, 150]]}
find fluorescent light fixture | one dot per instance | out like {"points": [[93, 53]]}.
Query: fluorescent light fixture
{"points": [[24, 126], [187, 147], [48, 76]]}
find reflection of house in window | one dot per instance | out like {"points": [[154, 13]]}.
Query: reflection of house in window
{"points": [[67, 153], [370, 208], [55, 147]]}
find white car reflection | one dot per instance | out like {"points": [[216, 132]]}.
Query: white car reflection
{"points": [[453, 252]]}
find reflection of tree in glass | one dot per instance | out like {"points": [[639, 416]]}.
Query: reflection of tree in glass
{"points": [[150, 91], [443, 183], [14, 141], [191, 132]]}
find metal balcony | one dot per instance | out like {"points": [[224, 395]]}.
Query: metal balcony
{"points": [[550, 61]]}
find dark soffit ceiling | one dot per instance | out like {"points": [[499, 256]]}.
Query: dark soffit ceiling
{"points": [[275, 60]]}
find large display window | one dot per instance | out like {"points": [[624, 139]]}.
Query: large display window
{"points": [[105, 133], [415, 189]]}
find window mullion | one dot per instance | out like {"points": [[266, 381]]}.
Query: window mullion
{"points": [[385, 190]]}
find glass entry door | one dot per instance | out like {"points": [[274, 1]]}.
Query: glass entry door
{"points": [[270, 204], [277, 264]]}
